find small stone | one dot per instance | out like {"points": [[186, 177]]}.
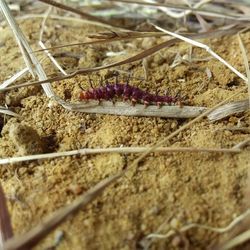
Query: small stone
{"points": [[75, 189], [176, 241], [174, 223]]}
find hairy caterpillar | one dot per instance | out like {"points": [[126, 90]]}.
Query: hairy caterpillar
{"points": [[126, 92]]}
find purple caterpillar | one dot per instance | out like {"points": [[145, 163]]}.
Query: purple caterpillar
{"points": [[127, 92]]}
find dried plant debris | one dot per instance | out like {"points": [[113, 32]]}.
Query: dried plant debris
{"points": [[70, 139]]}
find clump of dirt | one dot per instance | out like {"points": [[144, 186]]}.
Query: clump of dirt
{"points": [[166, 190]]}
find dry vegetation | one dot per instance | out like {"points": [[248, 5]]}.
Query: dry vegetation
{"points": [[110, 175]]}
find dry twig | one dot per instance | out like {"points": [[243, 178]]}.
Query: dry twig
{"points": [[120, 150]]}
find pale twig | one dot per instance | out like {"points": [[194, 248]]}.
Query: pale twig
{"points": [[5, 221], [31, 238], [232, 224], [120, 150]]}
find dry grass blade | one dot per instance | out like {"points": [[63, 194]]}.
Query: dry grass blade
{"points": [[243, 50], [185, 228], [5, 222], [6, 111], [236, 241], [31, 238], [121, 108], [205, 47], [190, 9], [121, 150], [108, 37], [229, 109], [241, 234], [160, 143], [7, 82], [32, 62], [73, 10], [137, 57]]}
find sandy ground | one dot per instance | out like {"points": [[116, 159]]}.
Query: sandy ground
{"points": [[167, 190]]}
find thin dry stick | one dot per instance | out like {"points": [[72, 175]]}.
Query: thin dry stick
{"points": [[5, 222], [120, 150], [32, 237]]}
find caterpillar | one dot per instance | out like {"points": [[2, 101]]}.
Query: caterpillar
{"points": [[126, 92]]}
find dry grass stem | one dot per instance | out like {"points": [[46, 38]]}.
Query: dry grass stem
{"points": [[188, 9], [242, 144], [107, 37], [46, 15], [5, 221], [120, 150], [7, 82], [134, 58], [68, 19], [229, 109], [176, 132], [244, 54], [32, 237], [125, 108], [6, 111], [75, 11], [205, 47], [32, 62], [232, 224], [236, 241], [173, 14], [52, 59]]}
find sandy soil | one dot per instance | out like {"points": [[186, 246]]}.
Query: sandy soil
{"points": [[173, 189]]}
